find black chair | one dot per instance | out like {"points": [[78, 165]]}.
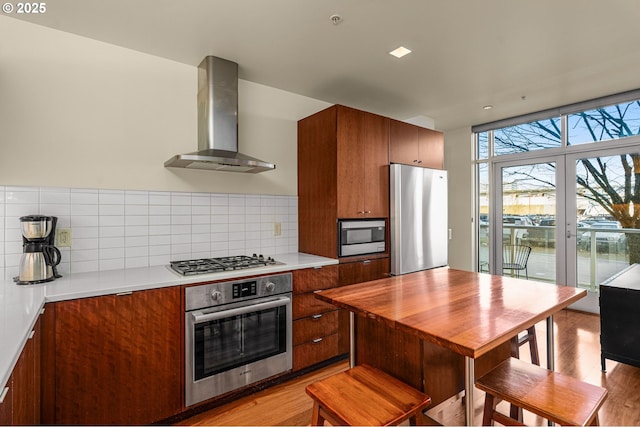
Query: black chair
{"points": [[515, 258]]}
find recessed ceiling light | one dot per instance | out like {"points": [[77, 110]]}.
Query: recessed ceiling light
{"points": [[400, 52], [487, 107]]}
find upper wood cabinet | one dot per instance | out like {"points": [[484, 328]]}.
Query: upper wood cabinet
{"points": [[363, 160], [415, 145], [343, 172]]}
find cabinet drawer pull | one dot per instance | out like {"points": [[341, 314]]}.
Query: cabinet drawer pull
{"points": [[31, 334], [4, 394], [366, 261], [42, 311], [121, 294], [317, 291], [316, 316], [317, 268], [317, 340]]}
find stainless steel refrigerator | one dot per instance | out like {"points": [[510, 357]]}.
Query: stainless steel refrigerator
{"points": [[419, 232]]}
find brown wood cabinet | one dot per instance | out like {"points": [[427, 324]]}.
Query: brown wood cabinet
{"points": [[26, 382], [343, 172], [358, 271], [118, 358], [6, 404], [414, 145], [363, 271], [315, 323], [21, 401]]}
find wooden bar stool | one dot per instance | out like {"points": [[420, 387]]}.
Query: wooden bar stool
{"points": [[558, 398], [365, 396], [528, 337]]}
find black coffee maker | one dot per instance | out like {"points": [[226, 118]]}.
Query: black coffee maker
{"points": [[40, 257]]}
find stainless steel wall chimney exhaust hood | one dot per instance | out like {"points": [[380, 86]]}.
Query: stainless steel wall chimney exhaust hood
{"points": [[218, 123]]}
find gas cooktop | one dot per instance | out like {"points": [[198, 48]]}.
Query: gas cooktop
{"points": [[216, 265]]}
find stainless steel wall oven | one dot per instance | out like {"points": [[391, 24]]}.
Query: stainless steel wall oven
{"points": [[237, 333]]}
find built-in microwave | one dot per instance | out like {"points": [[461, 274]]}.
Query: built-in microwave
{"points": [[361, 236]]}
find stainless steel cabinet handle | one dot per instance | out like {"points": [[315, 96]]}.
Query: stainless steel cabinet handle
{"points": [[121, 294], [31, 334], [199, 316], [366, 261], [4, 394], [368, 212], [316, 316], [317, 340]]}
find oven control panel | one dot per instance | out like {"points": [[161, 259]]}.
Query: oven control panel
{"points": [[245, 289], [221, 293]]}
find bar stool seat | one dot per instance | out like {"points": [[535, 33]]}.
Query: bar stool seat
{"points": [[557, 397], [366, 396]]}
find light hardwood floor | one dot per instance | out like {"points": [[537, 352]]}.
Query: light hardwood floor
{"points": [[577, 338]]}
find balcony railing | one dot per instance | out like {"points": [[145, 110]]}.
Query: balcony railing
{"points": [[601, 252]]}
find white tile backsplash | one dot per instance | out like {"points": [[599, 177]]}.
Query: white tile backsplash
{"points": [[113, 229]]}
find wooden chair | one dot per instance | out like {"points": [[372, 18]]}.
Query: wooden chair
{"points": [[528, 337], [515, 258], [366, 396], [558, 398]]}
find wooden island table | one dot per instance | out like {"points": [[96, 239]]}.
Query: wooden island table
{"points": [[440, 329]]}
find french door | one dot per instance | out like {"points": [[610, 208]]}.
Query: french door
{"points": [[538, 202], [528, 199]]}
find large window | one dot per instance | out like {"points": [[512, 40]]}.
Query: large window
{"points": [[594, 154]]}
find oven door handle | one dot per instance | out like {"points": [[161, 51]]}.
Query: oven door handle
{"points": [[198, 317]]}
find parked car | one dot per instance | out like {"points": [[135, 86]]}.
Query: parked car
{"points": [[606, 241], [544, 234], [511, 232]]}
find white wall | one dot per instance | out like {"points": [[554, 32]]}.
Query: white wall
{"points": [[457, 160], [115, 229], [75, 112]]}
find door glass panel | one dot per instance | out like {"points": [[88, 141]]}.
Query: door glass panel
{"points": [[483, 217], [607, 234], [529, 221]]}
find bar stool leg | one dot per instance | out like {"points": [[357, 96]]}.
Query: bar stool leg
{"points": [[489, 406], [316, 418]]}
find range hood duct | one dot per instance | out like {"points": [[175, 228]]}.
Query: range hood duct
{"points": [[218, 123]]}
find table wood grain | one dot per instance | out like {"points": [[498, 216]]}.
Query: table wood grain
{"points": [[469, 313]]}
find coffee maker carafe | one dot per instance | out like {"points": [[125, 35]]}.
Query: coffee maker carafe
{"points": [[40, 257]]}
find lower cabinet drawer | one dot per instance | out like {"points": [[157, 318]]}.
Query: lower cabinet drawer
{"points": [[305, 305], [310, 353], [316, 326]]}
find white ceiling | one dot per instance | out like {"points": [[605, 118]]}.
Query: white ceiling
{"points": [[466, 53]]}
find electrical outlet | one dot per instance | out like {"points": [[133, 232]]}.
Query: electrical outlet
{"points": [[277, 229], [63, 237]]}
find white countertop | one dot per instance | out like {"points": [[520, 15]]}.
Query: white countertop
{"points": [[20, 305]]}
